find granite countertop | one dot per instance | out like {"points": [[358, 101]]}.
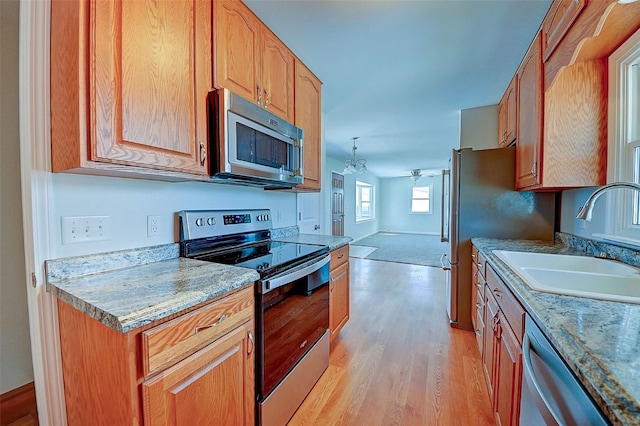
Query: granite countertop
{"points": [[333, 242], [599, 340], [129, 289]]}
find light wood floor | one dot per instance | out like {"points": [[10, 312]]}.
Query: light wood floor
{"points": [[397, 361]]}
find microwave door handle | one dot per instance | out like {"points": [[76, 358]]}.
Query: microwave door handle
{"points": [[287, 277], [298, 158]]}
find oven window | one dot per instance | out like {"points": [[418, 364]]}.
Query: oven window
{"points": [[293, 322], [258, 148]]}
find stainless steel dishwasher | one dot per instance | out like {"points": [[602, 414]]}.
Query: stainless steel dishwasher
{"points": [[551, 394]]}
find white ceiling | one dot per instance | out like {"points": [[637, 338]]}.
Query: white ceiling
{"points": [[396, 73]]}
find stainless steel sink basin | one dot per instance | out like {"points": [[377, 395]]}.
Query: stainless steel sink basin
{"points": [[581, 276]]}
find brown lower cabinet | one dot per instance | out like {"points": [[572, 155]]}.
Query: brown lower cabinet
{"points": [[338, 291], [196, 368], [502, 330]]}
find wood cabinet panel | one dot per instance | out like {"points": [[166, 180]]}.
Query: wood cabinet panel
{"points": [[203, 389], [491, 334], [131, 87], [277, 76], [557, 21], [338, 299], [508, 376], [104, 377], [168, 343], [237, 49], [339, 291], [308, 94], [529, 146], [508, 115]]}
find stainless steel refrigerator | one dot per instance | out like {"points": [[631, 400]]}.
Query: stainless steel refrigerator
{"points": [[482, 202]]}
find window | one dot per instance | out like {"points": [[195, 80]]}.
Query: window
{"points": [[364, 201], [421, 199], [623, 216]]}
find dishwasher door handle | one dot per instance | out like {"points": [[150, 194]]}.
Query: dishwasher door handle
{"points": [[535, 387]]}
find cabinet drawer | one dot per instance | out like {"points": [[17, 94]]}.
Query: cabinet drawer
{"points": [[510, 307], [339, 256], [174, 340]]}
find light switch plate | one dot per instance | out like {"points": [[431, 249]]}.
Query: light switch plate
{"points": [[83, 229]]}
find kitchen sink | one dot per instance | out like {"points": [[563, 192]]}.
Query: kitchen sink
{"points": [[581, 276]]}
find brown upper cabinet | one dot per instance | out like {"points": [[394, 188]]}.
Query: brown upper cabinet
{"points": [[308, 91], [251, 61], [130, 80], [508, 115], [124, 93], [562, 94]]}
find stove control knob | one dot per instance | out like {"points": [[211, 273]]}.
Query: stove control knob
{"points": [[211, 221], [199, 221], [268, 217], [260, 218]]}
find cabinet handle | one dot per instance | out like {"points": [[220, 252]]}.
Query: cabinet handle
{"points": [[494, 321], [253, 343], [266, 99], [497, 293], [204, 327], [473, 256], [478, 305], [203, 153], [341, 256], [259, 96]]}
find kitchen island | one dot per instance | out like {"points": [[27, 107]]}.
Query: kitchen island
{"points": [[599, 340]]}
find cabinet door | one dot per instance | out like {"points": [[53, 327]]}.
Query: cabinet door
{"points": [[277, 76], [511, 100], [491, 338], [213, 386], [308, 117], [529, 147], [509, 376], [557, 22], [338, 299], [502, 122], [149, 82], [237, 49]]}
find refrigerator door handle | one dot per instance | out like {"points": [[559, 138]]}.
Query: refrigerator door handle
{"points": [[442, 259]]}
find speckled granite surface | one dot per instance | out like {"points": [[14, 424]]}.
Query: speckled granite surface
{"points": [[289, 231], [325, 240], [145, 290], [599, 340]]}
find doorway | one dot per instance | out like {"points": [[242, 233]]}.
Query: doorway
{"points": [[337, 204]]}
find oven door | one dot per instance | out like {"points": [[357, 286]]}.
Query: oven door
{"points": [[292, 317]]}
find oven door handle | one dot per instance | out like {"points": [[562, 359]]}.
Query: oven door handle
{"points": [[290, 276]]}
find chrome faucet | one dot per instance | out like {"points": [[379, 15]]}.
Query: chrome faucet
{"points": [[586, 210]]}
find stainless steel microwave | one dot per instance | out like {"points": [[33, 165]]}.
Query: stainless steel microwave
{"points": [[249, 145]]}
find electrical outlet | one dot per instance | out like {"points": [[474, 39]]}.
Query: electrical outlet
{"points": [[83, 229], [154, 227]]}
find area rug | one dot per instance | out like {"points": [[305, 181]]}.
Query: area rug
{"points": [[417, 249]]}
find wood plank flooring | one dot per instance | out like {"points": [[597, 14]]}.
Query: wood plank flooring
{"points": [[397, 361]]}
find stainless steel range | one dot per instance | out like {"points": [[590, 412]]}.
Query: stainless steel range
{"points": [[292, 301]]}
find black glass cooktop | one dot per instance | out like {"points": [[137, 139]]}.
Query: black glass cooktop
{"points": [[268, 257]]}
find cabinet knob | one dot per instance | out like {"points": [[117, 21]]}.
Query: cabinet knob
{"points": [[203, 154], [266, 99], [259, 95]]}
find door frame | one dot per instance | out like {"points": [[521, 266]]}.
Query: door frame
{"points": [[35, 169]]}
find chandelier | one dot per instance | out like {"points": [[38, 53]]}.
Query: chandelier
{"points": [[355, 165], [415, 175]]}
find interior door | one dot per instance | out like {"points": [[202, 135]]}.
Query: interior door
{"points": [[337, 204]]}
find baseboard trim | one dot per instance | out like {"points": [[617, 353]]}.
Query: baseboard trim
{"points": [[18, 403], [391, 231]]}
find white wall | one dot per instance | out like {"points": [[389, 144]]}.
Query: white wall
{"points": [[128, 202], [15, 348], [571, 202], [479, 127], [395, 206], [351, 228]]}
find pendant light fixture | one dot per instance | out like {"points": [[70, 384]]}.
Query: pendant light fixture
{"points": [[415, 175], [354, 164]]}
